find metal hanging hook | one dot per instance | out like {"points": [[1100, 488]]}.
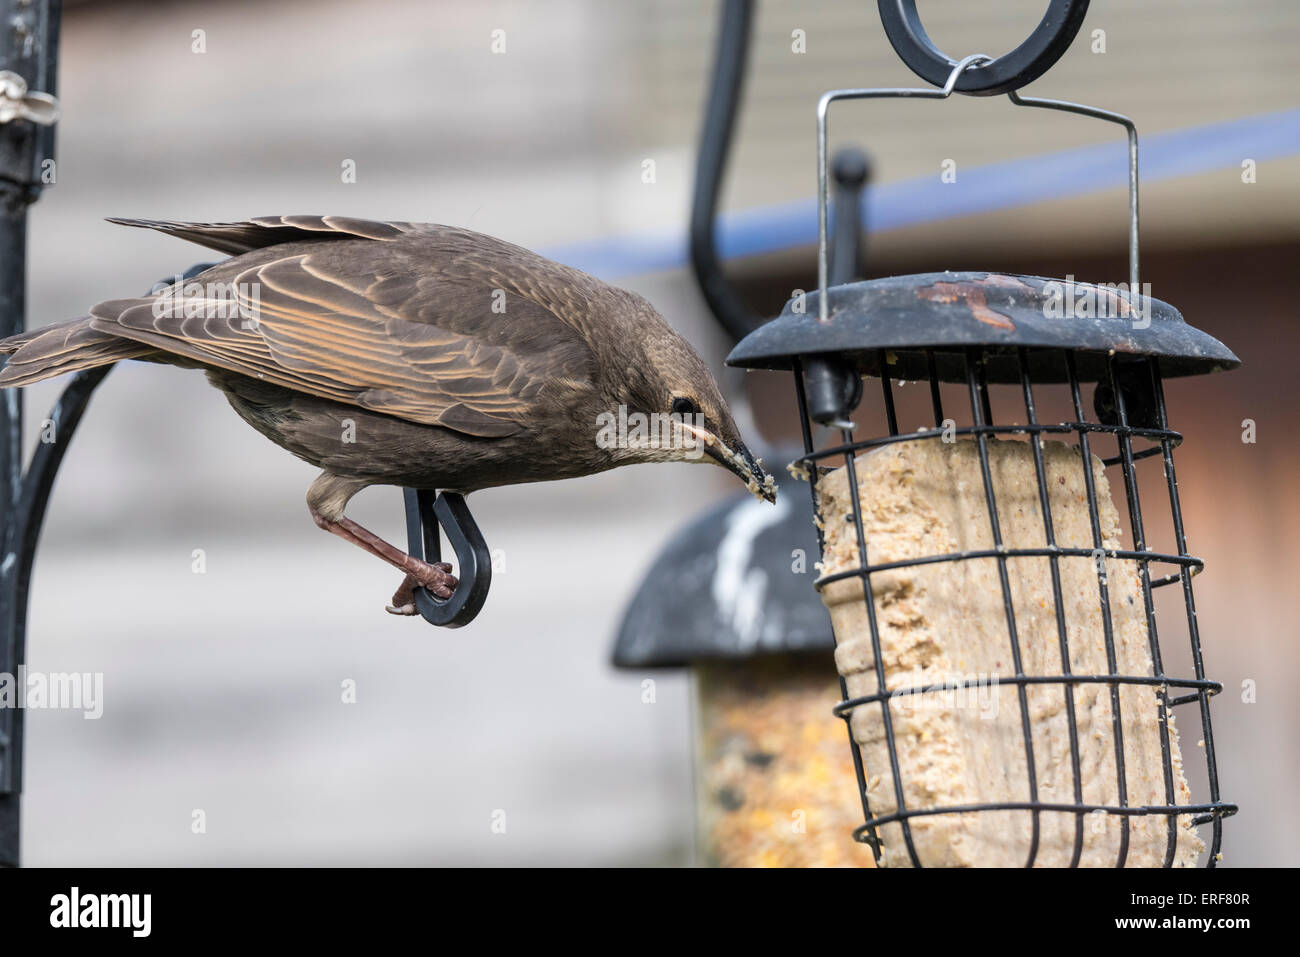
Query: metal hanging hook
{"points": [[823, 109], [953, 79], [426, 510], [1026, 63]]}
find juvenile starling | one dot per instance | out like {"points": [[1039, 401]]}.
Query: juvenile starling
{"points": [[415, 355]]}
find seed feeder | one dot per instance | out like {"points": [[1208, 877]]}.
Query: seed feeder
{"points": [[1006, 693]]}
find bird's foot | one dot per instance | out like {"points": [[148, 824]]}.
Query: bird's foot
{"points": [[437, 578]]}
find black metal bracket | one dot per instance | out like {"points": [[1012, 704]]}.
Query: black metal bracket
{"points": [[725, 87], [852, 171], [29, 35], [21, 534], [1009, 72], [426, 511]]}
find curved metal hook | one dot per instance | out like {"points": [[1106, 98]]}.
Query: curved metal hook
{"points": [[426, 510], [1008, 73], [730, 55], [20, 529]]}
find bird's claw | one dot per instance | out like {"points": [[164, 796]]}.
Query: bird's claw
{"points": [[437, 578]]}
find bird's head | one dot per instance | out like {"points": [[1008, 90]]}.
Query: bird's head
{"points": [[675, 412]]}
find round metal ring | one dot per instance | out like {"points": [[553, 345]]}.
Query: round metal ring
{"points": [[1023, 65]]}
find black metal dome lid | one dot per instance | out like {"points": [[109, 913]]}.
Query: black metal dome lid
{"points": [[949, 311]]}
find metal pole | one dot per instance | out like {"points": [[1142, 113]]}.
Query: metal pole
{"points": [[730, 55], [28, 47]]}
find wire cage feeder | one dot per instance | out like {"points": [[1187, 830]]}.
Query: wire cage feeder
{"points": [[995, 361]]}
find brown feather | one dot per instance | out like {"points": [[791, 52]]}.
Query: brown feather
{"points": [[306, 321]]}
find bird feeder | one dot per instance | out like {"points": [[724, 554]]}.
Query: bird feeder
{"points": [[981, 557]]}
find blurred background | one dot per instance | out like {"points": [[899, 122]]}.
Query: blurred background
{"points": [[223, 690]]}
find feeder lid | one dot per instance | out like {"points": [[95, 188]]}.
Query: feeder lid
{"points": [[729, 585], [948, 311]]}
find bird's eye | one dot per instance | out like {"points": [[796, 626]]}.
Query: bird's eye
{"points": [[683, 406]]}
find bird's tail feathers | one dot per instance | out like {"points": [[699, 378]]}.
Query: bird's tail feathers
{"points": [[63, 347]]}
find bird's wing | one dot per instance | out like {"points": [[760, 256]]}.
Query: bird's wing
{"points": [[365, 330], [262, 231]]}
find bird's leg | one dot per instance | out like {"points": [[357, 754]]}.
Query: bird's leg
{"points": [[326, 499], [437, 577]]}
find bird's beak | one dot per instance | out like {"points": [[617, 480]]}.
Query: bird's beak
{"points": [[743, 463], [738, 460]]}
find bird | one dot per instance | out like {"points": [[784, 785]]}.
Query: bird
{"points": [[410, 354]]}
